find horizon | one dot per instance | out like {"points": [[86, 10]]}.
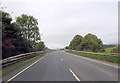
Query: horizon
{"points": [[60, 21]]}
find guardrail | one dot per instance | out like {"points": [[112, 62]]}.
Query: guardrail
{"points": [[15, 59]]}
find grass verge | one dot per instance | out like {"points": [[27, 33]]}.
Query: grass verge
{"points": [[114, 59], [108, 50], [18, 65]]}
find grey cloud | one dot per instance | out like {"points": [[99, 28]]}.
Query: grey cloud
{"points": [[61, 21]]}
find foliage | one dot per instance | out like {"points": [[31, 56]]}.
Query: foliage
{"points": [[109, 49], [40, 46], [67, 47], [20, 36], [109, 58], [92, 43], [46, 48], [18, 65], [29, 29], [116, 49], [7, 32], [75, 42], [108, 46], [88, 43]]}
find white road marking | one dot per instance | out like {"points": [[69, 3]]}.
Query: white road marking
{"points": [[61, 59], [93, 60], [24, 69], [74, 75]]}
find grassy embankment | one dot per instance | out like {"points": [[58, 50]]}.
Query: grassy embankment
{"points": [[114, 59], [108, 50], [18, 65]]}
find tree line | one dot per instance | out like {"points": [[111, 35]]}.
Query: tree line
{"points": [[21, 36], [116, 48], [89, 42]]}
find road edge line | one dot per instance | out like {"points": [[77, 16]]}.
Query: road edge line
{"points": [[92, 60], [23, 70]]}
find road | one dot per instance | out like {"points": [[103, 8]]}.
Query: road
{"points": [[62, 66]]}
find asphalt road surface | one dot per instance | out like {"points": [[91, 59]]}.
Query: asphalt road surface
{"points": [[62, 66]]}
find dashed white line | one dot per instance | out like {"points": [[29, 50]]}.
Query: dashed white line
{"points": [[74, 75], [61, 59], [93, 60], [23, 70]]}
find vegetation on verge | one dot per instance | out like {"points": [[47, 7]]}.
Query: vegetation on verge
{"points": [[20, 36], [89, 42], [114, 59], [74, 44], [40, 46], [109, 49], [18, 65], [112, 48], [116, 49]]}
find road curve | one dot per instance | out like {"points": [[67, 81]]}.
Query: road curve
{"points": [[61, 66]]}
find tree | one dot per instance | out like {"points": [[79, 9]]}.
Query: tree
{"points": [[13, 40], [75, 42], [67, 47], [107, 46], [116, 49], [91, 43], [7, 32], [40, 46], [29, 29]]}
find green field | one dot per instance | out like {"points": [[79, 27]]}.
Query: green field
{"points": [[109, 58], [18, 65], [108, 50]]}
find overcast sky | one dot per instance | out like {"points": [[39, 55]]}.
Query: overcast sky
{"points": [[60, 20]]}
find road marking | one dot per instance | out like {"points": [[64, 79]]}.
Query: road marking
{"points": [[61, 59], [24, 69], [93, 60], [74, 75]]}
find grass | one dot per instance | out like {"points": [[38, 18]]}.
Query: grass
{"points": [[108, 50], [114, 59], [18, 65]]}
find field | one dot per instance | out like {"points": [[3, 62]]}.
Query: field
{"points": [[114, 59], [108, 50]]}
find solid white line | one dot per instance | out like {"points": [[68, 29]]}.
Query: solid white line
{"points": [[93, 60], [24, 69], [74, 75]]}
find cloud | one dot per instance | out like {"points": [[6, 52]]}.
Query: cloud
{"points": [[60, 21]]}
